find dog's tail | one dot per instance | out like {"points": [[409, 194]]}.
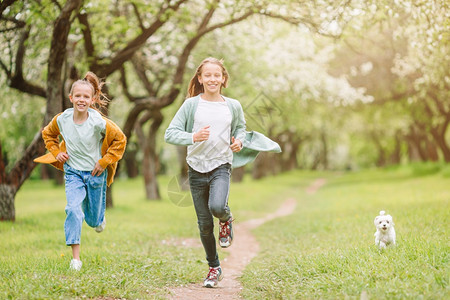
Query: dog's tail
{"points": [[382, 212]]}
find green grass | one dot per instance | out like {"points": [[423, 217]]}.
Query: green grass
{"points": [[127, 260], [324, 250]]}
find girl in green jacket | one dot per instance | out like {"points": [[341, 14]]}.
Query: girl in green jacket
{"points": [[212, 126]]}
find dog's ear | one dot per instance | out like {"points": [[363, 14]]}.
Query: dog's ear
{"points": [[375, 220], [391, 220]]}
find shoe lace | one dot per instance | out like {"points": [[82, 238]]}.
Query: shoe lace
{"points": [[213, 273], [225, 228]]}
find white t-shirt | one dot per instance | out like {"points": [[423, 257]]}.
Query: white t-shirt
{"points": [[83, 141], [207, 155]]}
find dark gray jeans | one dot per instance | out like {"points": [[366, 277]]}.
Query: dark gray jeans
{"points": [[210, 195]]}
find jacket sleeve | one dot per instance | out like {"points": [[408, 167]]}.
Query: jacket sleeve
{"points": [[239, 131], [50, 135], [177, 133], [115, 143]]}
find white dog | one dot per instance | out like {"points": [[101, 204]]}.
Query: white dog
{"points": [[385, 234]]}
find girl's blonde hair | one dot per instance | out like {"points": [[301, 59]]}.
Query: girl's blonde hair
{"points": [[195, 87], [99, 100]]}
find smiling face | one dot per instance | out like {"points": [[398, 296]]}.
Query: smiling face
{"points": [[383, 223], [211, 78], [81, 97]]}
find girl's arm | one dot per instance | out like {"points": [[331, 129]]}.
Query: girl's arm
{"points": [[50, 135], [239, 131], [177, 133], [116, 143]]}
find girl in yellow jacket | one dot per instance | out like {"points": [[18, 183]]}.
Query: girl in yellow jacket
{"points": [[91, 147]]}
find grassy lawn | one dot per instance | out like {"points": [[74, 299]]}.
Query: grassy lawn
{"points": [[129, 259], [324, 250]]}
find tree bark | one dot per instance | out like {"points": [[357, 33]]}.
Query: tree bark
{"points": [[131, 164], [109, 200], [150, 160], [289, 143], [184, 177], [7, 209], [323, 139], [439, 138], [238, 174], [261, 166], [395, 157]]}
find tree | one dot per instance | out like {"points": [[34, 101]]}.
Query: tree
{"points": [[104, 37], [11, 181], [161, 91], [396, 53]]}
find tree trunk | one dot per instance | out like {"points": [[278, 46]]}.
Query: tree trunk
{"points": [[184, 178], [432, 152], [131, 164], [150, 161], [439, 138], [413, 152], [416, 150], [323, 139], [11, 183], [238, 174], [7, 210], [261, 166], [292, 162], [288, 158], [149, 171], [45, 173], [395, 156], [109, 201]]}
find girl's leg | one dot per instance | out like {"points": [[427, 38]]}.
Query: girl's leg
{"points": [[76, 251], [200, 193], [219, 191], [95, 204], [218, 203], [75, 194]]}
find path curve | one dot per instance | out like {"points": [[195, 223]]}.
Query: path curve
{"points": [[245, 247]]}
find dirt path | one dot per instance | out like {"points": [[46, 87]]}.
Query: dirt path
{"points": [[244, 248]]}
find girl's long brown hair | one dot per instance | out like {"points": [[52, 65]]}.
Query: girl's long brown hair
{"points": [[99, 100], [195, 87]]}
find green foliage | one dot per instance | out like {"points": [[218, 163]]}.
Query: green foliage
{"points": [[20, 120]]}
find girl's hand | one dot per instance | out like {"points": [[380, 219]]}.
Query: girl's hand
{"points": [[98, 170], [202, 134], [236, 145], [62, 157]]}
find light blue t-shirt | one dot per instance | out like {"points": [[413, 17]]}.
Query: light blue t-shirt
{"points": [[83, 141]]}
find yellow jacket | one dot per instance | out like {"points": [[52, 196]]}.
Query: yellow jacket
{"points": [[112, 149]]}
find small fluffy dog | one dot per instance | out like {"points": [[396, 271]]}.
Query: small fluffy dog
{"points": [[385, 234]]}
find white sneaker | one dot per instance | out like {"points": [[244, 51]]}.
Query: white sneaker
{"points": [[101, 227], [75, 264], [226, 233], [213, 277]]}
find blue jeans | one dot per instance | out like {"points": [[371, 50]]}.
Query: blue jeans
{"points": [[86, 200], [210, 195]]}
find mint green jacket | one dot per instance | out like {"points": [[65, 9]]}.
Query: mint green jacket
{"points": [[179, 131]]}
